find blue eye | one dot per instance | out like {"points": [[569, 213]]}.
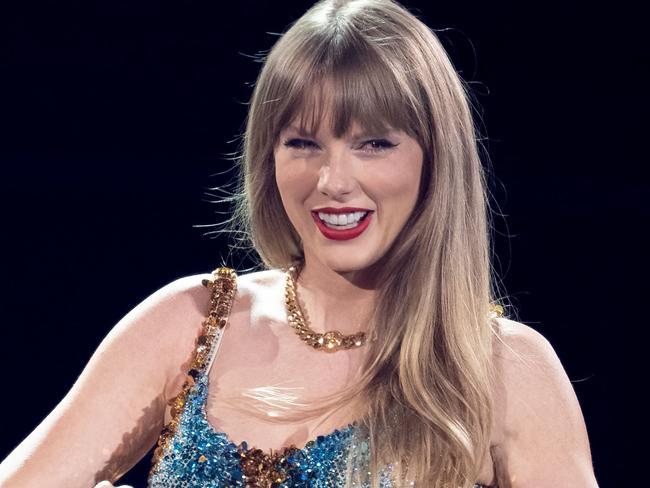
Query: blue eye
{"points": [[300, 144]]}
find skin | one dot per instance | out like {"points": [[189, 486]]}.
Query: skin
{"points": [[379, 172], [117, 407]]}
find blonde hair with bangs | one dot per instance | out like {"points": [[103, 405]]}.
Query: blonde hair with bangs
{"points": [[428, 379]]}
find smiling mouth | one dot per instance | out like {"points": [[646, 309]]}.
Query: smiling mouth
{"points": [[342, 232], [330, 219]]}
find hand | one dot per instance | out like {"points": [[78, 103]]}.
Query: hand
{"points": [[108, 484]]}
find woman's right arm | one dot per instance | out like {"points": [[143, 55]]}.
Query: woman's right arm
{"points": [[114, 412]]}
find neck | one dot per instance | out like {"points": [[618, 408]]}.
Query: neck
{"points": [[335, 300]]}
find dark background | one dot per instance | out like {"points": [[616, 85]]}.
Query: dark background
{"points": [[115, 114]]}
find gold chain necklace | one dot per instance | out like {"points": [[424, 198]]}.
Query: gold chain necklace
{"points": [[330, 341]]}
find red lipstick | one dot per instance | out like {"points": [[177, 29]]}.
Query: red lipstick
{"points": [[346, 234]]}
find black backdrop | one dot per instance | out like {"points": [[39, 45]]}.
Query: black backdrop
{"points": [[115, 114]]}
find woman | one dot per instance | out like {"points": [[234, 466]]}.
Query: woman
{"points": [[370, 351]]}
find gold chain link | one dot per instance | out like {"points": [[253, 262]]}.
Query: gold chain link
{"points": [[330, 341]]}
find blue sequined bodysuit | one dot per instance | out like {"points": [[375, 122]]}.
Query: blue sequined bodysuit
{"points": [[192, 454]]}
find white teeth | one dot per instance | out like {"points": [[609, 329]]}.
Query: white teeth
{"points": [[341, 219]]}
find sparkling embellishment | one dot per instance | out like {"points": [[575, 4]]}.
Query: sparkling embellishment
{"points": [[322, 463], [223, 286], [330, 341], [192, 454]]}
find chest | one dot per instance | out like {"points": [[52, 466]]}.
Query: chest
{"points": [[266, 352], [262, 369]]}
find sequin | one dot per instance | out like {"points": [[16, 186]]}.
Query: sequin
{"points": [[192, 454], [200, 456]]}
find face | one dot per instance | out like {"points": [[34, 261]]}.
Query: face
{"points": [[363, 172]]}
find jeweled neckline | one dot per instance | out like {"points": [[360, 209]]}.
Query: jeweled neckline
{"points": [[245, 445]]}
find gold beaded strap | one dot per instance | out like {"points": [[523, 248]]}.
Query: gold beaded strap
{"points": [[222, 286]]}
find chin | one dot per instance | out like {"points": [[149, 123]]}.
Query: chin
{"points": [[349, 264]]}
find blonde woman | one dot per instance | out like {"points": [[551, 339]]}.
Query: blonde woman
{"points": [[371, 350]]}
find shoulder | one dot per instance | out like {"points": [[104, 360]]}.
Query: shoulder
{"points": [[156, 332], [527, 363], [541, 438], [176, 311], [188, 294], [517, 344], [529, 376], [166, 310]]}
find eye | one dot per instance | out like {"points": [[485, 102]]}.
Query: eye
{"points": [[300, 144], [377, 145]]}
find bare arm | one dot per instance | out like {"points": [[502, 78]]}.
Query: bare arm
{"points": [[543, 440], [114, 412]]}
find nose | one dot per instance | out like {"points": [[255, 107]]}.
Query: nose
{"points": [[336, 175]]}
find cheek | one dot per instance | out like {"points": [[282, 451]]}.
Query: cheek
{"points": [[289, 182], [293, 184], [399, 184]]}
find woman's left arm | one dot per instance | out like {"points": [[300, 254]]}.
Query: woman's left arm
{"points": [[541, 438]]}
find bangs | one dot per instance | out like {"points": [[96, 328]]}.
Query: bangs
{"points": [[345, 86]]}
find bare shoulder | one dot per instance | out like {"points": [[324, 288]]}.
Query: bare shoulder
{"points": [[541, 438], [168, 315], [182, 305], [185, 301], [519, 343], [529, 372], [528, 364]]}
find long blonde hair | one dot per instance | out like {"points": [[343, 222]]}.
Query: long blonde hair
{"points": [[429, 378]]}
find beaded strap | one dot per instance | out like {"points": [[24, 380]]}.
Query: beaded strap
{"points": [[223, 286]]}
